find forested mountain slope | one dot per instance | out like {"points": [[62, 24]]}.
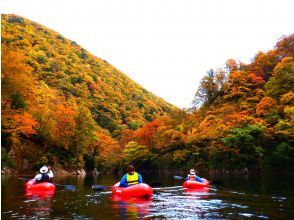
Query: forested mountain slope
{"points": [[243, 118], [56, 95], [64, 107], [246, 119]]}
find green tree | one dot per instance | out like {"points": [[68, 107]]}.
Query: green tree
{"points": [[283, 78], [134, 125], [135, 153], [207, 90], [283, 155], [248, 140], [18, 101], [85, 133]]}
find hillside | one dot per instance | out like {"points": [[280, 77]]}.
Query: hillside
{"points": [[243, 119], [56, 95], [246, 119], [64, 107]]}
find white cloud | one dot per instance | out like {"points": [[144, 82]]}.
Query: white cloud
{"points": [[167, 46]]}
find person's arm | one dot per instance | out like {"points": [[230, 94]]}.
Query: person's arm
{"points": [[37, 177], [198, 179], [123, 181], [140, 180], [50, 174]]}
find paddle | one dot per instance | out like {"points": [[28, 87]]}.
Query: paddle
{"points": [[100, 187], [214, 182], [67, 187], [178, 177]]}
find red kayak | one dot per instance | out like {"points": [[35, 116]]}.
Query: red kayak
{"points": [[40, 194], [138, 190], [45, 186], [193, 184], [196, 191]]}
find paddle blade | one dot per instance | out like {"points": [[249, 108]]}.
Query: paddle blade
{"points": [[178, 177], [67, 187], [98, 187], [23, 178], [70, 187]]}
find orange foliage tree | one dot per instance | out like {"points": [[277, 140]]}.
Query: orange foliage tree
{"points": [[16, 75], [20, 124], [65, 125], [105, 151], [146, 134], [265, 105], [125, 137]]}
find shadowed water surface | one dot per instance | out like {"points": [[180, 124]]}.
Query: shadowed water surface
{"points": [[239, 197]]}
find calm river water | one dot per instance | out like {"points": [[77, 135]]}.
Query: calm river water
{"points": [[239, 197]]}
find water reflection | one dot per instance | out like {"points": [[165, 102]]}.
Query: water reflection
{"points": [[80, 180], [200, 191], [134, 207], [180, 203], [38, 203], [39, 194]]}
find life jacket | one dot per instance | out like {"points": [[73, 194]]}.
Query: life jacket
{"points": [[132, 179], [191, 176], [45, 178]]}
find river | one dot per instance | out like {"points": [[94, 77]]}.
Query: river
{"points": [[238, 197]]}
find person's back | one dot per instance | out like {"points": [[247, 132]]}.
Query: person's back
{"points": [[192, 176], [131, 177], [45, 175]]}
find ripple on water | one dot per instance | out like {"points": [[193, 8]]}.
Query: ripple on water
{"points": [[181, 206], [279, 198], [239, 206], [30, 200], [239, 193], [262, 217], [246, 214]]}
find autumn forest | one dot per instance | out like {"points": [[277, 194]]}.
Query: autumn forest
{"points": [[65, 107]]}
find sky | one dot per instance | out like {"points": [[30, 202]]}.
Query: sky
{"points": [[166, 46]]}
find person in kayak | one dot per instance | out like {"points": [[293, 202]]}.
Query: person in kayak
{"points": [[192, 176], [131, 177], [45, 175]]}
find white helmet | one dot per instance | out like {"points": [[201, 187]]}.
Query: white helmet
{"points": [[44, 169], [192, 171]]}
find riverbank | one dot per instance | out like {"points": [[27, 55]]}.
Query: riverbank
{"points": [[245, 171], [57, 171], [81, 172]]}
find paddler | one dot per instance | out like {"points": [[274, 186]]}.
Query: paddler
{"points": [[45, 175], [192, 176], [131, 177]]}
